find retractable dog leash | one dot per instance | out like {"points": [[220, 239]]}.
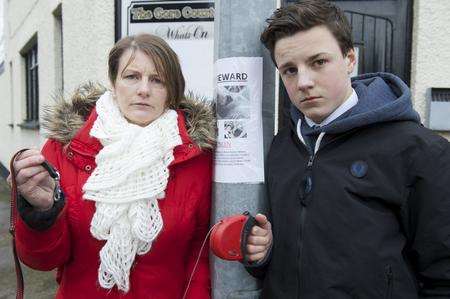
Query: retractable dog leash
{"points": [[228, 240], [13, 215]]}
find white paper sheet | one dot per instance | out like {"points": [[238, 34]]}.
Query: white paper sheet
{"points": [[239, 156]]}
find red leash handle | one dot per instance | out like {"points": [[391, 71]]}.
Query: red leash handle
{"points": [[12, 226], [229, 238]]}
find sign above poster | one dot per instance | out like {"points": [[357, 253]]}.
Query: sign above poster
{"points": [[187, 26], [173, 12]]}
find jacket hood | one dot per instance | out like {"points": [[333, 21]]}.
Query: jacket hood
{"points": [[62, 120], [382, 97]]}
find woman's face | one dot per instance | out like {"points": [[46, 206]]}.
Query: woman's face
{"points": [[139, 91]]}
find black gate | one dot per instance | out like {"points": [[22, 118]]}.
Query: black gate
{"points": [[373, 40], [382, 31]]}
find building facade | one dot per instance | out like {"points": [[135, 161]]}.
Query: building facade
{"points": [[53, 46]]}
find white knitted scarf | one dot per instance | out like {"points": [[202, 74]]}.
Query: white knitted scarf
{"points": [[131, 175]]}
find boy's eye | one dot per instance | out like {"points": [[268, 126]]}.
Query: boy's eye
{"points": [[290, 71], [320, 62]]}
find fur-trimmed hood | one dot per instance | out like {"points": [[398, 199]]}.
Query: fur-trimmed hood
{"points": [[63, 119]]}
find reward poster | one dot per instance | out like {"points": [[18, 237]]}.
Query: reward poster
{"points": [[187, 26], [238, 95]]}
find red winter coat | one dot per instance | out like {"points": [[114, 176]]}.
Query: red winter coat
{"points": [[69, 246]]}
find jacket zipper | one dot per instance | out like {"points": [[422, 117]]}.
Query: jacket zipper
{"points": [[390, 282], [310, 163], [305, 186], [304, 203]]}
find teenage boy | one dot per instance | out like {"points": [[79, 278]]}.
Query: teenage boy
{"points": [[359, 190]]}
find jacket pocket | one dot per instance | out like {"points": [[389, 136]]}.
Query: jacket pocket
{"points": [[389, 282]]}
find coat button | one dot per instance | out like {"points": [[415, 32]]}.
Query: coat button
{"points": [[70, 155], [88, 168], [359, 169], [190, 145]]}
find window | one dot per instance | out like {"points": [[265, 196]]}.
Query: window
{"points": [[32, 88]]}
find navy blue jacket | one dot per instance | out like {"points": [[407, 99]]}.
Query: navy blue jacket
{"points": [[367, 215]]}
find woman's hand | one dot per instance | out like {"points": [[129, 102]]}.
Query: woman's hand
{"points": [[33, 181], [260, 239]]}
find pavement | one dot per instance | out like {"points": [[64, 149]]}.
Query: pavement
{"points": [[38, 285]]}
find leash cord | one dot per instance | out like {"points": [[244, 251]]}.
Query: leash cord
{"points": [[198, 259], [12, 226]]}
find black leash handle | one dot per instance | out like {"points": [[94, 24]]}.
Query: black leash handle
{"points": [[51, 170], [54, 174], [249, 224]]}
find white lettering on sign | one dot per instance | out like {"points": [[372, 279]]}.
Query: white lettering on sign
{"points": [[139, 13], [200, 13], [166, 14]]}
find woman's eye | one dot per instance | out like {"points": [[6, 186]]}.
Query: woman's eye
{"points": [[156, 80], [131, 77]]}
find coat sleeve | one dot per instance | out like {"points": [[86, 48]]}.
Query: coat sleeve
{"points": [[45, 249], [426, 218], [200, 286]]}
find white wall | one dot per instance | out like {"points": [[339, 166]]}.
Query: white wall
{"points": [[88, 34], [88, 37], [2, 41], [25, 19], [430, 65]]}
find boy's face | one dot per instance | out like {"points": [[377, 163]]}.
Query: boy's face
{"points": [[314, 71]]}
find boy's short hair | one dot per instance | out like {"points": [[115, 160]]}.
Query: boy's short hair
{"points": [[304, 15]]}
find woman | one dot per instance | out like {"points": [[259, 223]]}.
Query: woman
{"points": [[135, 166]]}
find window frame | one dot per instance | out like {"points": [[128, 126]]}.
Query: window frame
{"points": [[31, 120]]}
